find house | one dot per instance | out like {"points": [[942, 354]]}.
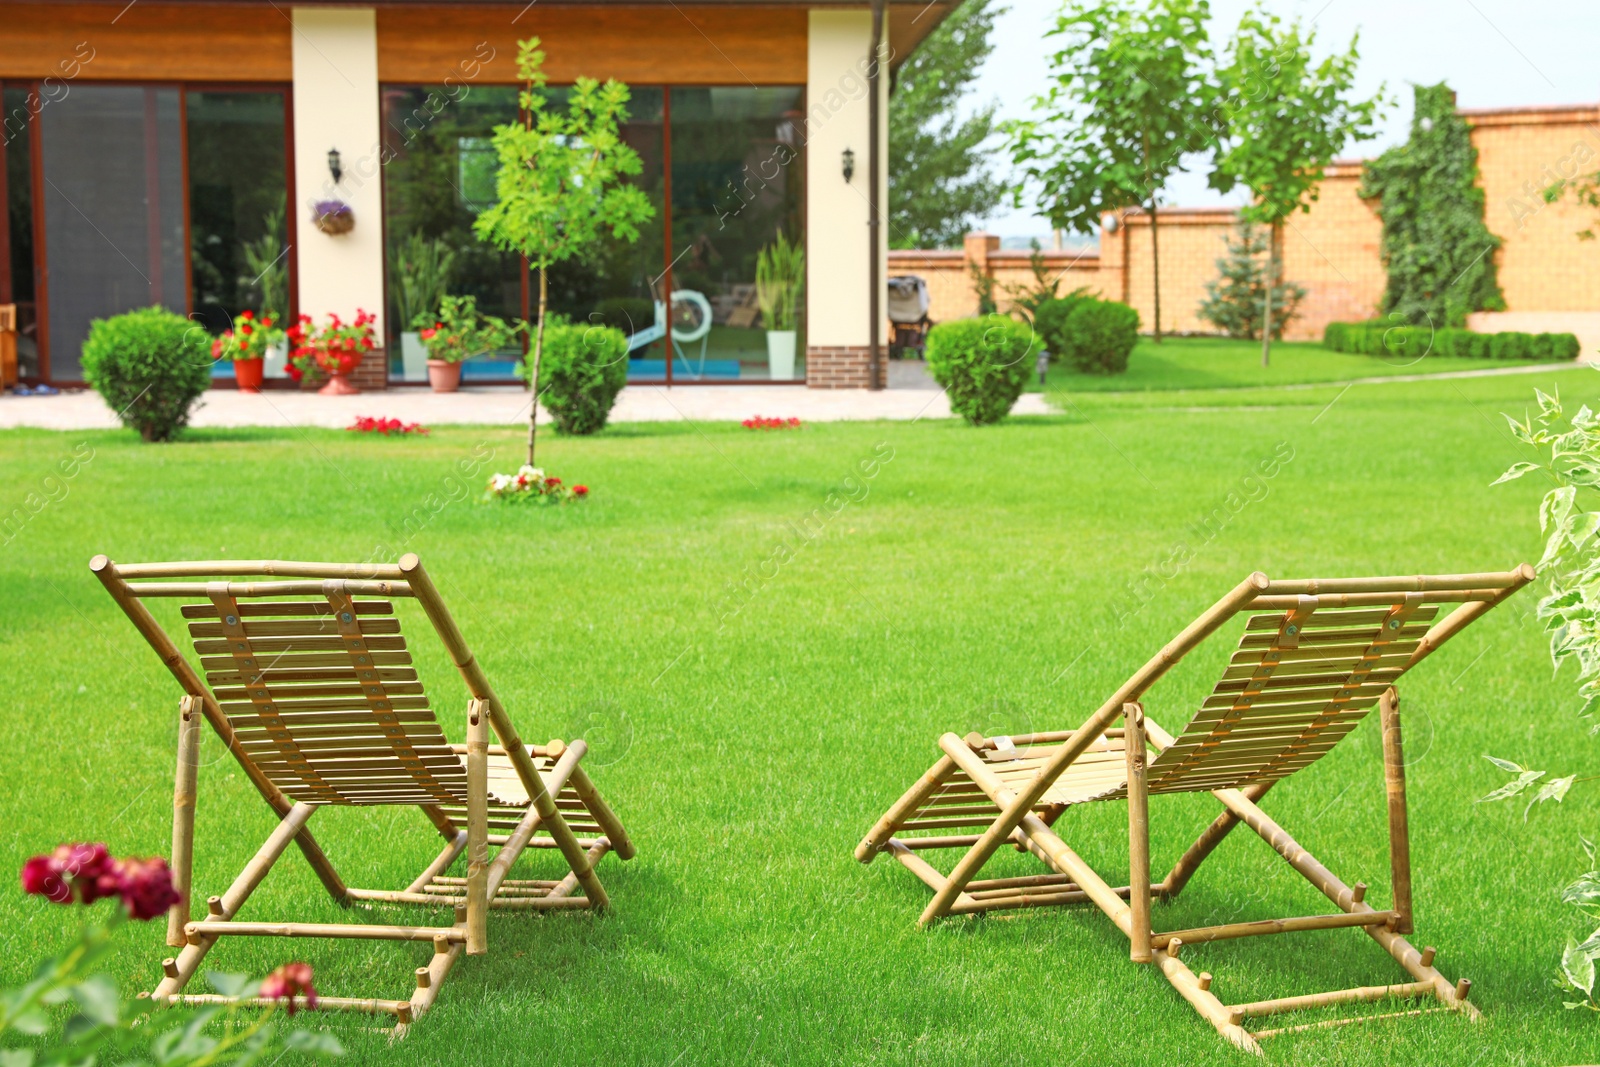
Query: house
{"points": [[174, 153]]}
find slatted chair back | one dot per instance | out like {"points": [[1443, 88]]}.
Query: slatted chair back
{"points": [[1301, 679], [322, 696]]}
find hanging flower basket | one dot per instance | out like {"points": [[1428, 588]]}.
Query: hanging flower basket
{"points": [[333, 216]]}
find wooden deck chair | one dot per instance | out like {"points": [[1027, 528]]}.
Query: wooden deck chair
{"points": [[306, 680], [1307, 670]]}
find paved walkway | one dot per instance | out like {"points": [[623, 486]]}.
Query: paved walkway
{"points": [[912, 394]]}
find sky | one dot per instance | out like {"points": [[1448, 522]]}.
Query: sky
{"points": [[1494, 53]]}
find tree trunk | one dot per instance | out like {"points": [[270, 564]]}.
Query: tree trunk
{"points": [[1155, 266], [538, 351], [1266, 298]]}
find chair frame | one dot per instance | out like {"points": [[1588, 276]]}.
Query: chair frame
{"points": [[1024, 824], [486, 885]]}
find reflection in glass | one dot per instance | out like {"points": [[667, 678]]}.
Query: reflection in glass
{"points": [[440, 174], [736, 184], [237, 201]]}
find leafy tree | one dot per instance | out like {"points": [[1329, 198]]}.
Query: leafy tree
{"points": [[1286, 117], [1234, 300], [939, 179], [1121, 114], [1438, 253], [561, 184]]}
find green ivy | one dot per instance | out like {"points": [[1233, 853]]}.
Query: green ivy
{"points": [[1438, 252]]}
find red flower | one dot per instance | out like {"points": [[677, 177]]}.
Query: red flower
{"points": [[289, 981], [247, 314], [145, 887], [580, 490], [427, 335], [41, 878]]}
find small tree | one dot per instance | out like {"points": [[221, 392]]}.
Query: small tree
{"points": [[1437, 252], [1121, 114], [1234, 300], [1286, 117], [561, 183], [939, 177]]}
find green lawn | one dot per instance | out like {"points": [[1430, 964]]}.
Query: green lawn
{"points": [[1224, 363], [982, 580]]}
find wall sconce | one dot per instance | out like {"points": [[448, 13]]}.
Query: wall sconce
{"points": [[333, 165], [849, 162], [1112, 224]]}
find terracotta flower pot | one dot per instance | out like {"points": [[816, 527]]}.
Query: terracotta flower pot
{"points": [[248, 374], [338, 385], [444, 376]]}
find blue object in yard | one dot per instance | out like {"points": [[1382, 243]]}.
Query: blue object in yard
{"points": [[656, 370], [478, 370]]}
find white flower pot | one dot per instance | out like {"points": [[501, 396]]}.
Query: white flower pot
{"points": [[276, 364], [780, 354], [413, 357]]}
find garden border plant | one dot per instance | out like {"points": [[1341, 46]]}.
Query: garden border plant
{"points": [[983, 364]]}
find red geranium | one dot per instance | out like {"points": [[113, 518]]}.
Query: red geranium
{"points": [[760, 422], [335, 348], [87, 873], [289, 981]]}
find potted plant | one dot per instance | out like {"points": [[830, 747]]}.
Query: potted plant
{"points": [[247, 346], [333, 217], [457, 334], [334, 349], [422, 275], [780, 273]]}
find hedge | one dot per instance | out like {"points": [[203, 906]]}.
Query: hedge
{"points": [[1379, 338]]}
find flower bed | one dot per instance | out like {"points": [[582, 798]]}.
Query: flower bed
{"points": [[763, 422], [387, 427], [530, 485]]}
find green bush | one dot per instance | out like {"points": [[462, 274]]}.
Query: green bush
{"points": [[983, 364], [1336, 335], [1477, 345], [630, 314], [582, 370], [1050, 320], [1100, 336], [150, 366], [1509, 345], [1564, 346]]}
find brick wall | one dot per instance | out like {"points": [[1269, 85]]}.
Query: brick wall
{"points": [[373, 373], [841, 366], [1550, 278]]}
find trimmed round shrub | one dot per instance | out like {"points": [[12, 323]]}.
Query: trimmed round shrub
{"points": [[1050, 320], [582, 370], [1100, 336], [150, 365], [983, 364]]}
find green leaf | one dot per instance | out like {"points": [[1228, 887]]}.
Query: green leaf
{"points": [[32, 1021], [99, 1000], [231, 985], [1505, 765], [16, 1057], [313, 1043], [1511, 789], [1591, 944], [1578, 967], [1584, 892], [1515, 471]]}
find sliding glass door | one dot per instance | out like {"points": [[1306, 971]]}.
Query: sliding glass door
{"points": [[112, 177]]}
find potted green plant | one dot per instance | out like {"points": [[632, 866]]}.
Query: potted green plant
{"points": [[333, 350], [422, 276], [459, 333], [247, 345], [780, 274]]}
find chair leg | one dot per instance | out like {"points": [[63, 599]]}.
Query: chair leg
{"points": [[183, 799], [1138, 835], [1394, 781], [178, 971], [477, 829], [1205, 844]]}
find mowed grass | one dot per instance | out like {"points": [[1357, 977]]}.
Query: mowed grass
{"points": [[1003, 579], [1226, 363]]}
